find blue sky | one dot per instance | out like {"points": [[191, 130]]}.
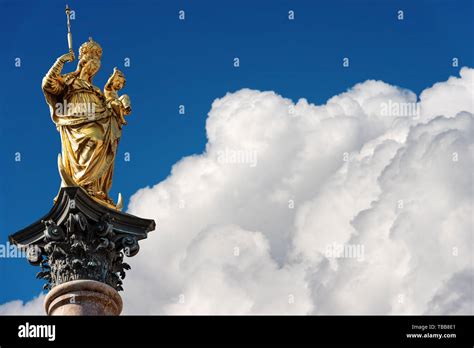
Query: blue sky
{"points": [[190, 62]]}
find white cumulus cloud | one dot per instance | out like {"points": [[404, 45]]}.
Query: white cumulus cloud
{"points": [[362, 205], [18, 307]]}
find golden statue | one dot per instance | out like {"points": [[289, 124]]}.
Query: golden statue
{"points": [[89, 121]]}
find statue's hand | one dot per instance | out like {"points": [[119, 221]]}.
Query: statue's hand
{"points": [[68, 57], [114, 73]]}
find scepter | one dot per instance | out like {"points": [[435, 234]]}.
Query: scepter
{"points": [[69, 35]]}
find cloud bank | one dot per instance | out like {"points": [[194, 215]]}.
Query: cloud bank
{"points": [[359, 206], [18, 307]]}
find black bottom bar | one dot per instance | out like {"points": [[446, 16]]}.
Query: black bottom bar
{"points": [[225, 330]]}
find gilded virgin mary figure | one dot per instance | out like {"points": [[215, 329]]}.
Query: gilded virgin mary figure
{"points": [[90, 124]]}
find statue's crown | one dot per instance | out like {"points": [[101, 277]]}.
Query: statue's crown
{"points": [[90, 48]]}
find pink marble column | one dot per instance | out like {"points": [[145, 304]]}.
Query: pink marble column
{"points": [[83, 297]]}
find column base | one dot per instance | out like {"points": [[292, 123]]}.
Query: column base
{"points": [[83, 297]]}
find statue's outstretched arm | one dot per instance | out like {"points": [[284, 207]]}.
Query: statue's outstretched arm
{"points": [[53, 82], [108, 85]]}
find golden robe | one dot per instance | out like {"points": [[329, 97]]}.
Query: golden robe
{"points": [[89, 131]]}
